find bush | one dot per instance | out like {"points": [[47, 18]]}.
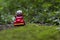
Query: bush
{"points": [[5, 19]]}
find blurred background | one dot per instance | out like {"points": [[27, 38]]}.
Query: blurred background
{"points": [[35, 11]]}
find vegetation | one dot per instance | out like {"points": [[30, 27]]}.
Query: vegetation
{"points": [[35, 11], [31, 32], [42, 11]]}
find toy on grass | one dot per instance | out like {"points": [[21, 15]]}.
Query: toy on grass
{"points": [[19, 19]]}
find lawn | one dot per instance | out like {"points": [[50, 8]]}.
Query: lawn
{"points": [[31, 32]]}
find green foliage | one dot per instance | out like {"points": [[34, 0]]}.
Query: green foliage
{"points": [[31, 32], [34, 10], [7, 19]]}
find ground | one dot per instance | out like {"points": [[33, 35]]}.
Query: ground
{"points": [[31, 32]]}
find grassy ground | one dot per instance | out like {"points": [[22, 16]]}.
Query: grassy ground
{"points": [[31, 32]]}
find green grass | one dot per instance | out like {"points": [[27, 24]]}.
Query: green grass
{"points": [[31, 32]]}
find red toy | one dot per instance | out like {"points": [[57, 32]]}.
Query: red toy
{"points": [[19, 20]]}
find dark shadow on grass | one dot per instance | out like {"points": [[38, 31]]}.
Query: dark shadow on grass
{"points": [[19, 26]]}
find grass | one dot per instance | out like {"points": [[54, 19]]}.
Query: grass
{"points": [[31, 32]]}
